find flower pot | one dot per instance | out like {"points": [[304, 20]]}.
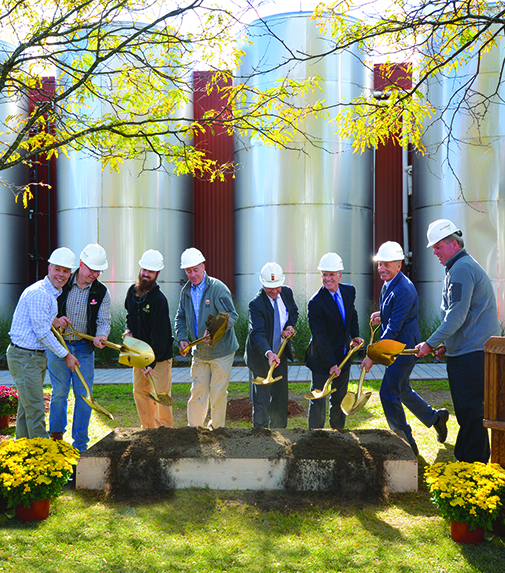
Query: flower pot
{"points": [[462, 534], [4, 421], [38, 511]]}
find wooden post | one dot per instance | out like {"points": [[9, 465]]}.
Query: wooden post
{"points": [[494, 396]]}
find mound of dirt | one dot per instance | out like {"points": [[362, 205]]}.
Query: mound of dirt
{"points": [[139, 458]]}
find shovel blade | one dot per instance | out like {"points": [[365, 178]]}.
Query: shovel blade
{"points": [[316, 394], [363, 399], [96, 406], [163, 398], [348, 402], [265, 381], [385, 352], [135, 354]]}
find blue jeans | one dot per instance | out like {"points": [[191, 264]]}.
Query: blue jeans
{"points": [[270, 402], [396, 392], [61, 379], [28, 370], [317, 408]]}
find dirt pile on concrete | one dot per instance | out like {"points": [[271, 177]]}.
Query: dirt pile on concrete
{"points": [[139, 458]]}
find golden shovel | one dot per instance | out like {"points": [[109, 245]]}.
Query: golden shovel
{"points": [[386, 351], [353, 402], [88, 398], [135, 353], [270, 379], [316, 394], [216, 325]]}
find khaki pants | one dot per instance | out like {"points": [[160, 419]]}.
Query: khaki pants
{"points": [[152, 414], [210, 383], [28, 370]]}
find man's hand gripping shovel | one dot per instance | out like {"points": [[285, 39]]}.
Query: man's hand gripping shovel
{"points": [[270, 376], [88, 398], [316, 394], [135, 353], [216, 327]]}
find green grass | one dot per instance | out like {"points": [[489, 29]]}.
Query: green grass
{"points": [[202, 530]]}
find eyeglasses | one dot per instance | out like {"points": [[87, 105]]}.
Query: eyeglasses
{"points": [[91, 271]]}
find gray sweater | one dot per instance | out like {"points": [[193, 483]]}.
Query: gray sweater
{"points": [[216, 298], [468, 310]]}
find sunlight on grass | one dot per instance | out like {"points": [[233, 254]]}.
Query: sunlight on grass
{"points": [[201, 530]]}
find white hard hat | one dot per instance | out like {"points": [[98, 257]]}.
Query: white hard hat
{"points": [[330, 262], [151, 260], [271, 275], [63, 257], [94, 257], [440, 229], [389, 251], [191, 258]]}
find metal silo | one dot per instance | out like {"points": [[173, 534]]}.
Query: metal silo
{"points": [[462, 178], [14, 222], [294, 206], [139, 208]]}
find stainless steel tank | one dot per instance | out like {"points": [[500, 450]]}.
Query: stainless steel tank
{"points": [[14, 219], [139, 208], [292, 206], [462, 178]]}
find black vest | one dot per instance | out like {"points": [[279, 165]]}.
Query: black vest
{"points": [[97, 292]]}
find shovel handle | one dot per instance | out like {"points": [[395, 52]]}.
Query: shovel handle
{"points": [[279, 354], [414, 351], [89, 337], [61, 340], [349, 354], [342, 364], [194, 343], [361, 379]]}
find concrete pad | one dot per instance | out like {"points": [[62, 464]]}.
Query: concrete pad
{"points": [[348, 463]]}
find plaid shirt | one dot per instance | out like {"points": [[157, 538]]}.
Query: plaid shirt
{"points": [[77, 303], [33, 317]]}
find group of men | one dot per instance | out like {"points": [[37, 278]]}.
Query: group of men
{"points": [[469, 317], [79, 302], [76, 302]]}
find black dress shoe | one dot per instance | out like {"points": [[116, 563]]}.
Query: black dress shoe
{"points": [[441, 425]]}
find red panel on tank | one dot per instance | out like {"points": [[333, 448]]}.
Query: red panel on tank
{"points": [[213, 201], [43, 205], [388, 207]]}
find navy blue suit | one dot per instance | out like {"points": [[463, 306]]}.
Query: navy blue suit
{"points": [[270, 402], [399, 311], [327, 348]]}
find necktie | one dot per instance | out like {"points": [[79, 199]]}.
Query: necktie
{"points": [[340, 305], [383, 293], [276, 341]]}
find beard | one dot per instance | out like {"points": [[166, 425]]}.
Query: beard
{"points": [[143, 285]]}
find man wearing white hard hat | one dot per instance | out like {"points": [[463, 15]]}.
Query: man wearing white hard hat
{"points": [[333, 322], [399, 320], [31, 336], [211, 365], [469, 317], [84, 303], [272, 315], [148, 319]]}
